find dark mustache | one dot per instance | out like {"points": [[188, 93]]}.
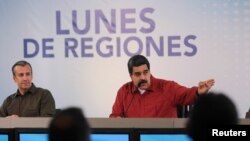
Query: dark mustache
{"points": [[141, 82]]}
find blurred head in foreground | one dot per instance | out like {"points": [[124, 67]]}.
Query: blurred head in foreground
{"points": [[210, 110], [69, 125]]}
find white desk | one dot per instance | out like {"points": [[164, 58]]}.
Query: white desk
{"points": [[105, 122]]}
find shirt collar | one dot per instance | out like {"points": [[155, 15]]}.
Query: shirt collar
{"points": [[29, 91]]}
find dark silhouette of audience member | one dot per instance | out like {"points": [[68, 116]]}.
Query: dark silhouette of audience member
{"points": [[248, 113], [210, 110], [69, 125]]}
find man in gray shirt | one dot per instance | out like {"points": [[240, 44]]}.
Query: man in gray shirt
{"points": [[29, 100]]}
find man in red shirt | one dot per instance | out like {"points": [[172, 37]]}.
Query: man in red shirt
{"points": [[147, 96]]}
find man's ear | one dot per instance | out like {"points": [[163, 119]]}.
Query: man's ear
{"points": [[14, 78]]}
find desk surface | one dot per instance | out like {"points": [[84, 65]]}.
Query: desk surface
{"points": [[105, 122]]}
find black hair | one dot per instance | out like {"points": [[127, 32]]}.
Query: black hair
{"points": [[136, 61], [212, 109], [69, 125]]}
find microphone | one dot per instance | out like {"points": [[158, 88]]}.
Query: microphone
{"points": [[125, 112], [138, 86]]}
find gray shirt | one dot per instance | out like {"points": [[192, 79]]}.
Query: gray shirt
{"points": [[36, 102]]}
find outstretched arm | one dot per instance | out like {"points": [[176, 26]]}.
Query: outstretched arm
{"points": [[204, 86]]}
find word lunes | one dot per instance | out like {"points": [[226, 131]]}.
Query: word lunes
{"points": [[115, 33]]}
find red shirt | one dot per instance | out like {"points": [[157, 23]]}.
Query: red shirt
{"points": [[159, 100]]}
